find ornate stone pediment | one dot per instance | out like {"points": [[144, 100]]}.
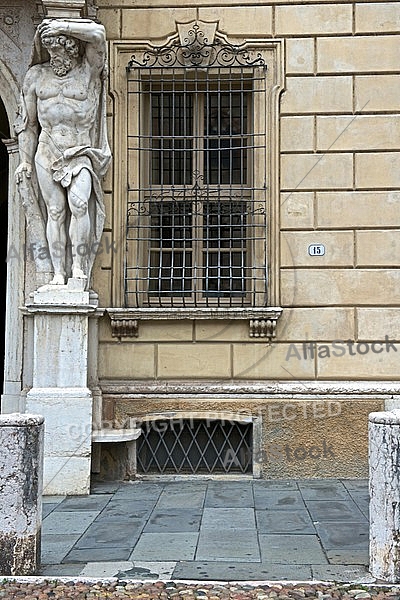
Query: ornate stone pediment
{"points": [[197, 44]]}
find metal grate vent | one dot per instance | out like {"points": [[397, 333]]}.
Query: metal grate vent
{"points": [[195, 446]]}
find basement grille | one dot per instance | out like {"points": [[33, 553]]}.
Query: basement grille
{"points": [[195, 446]]}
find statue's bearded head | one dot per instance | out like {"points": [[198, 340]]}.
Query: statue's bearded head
{"points": [[62, 50]]}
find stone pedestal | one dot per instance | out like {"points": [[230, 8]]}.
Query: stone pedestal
{"points": [[60, 384], [21, 469], [384, 482]]}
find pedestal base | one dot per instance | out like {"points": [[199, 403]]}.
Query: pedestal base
{"points": [[60, 384], [67, 446]]}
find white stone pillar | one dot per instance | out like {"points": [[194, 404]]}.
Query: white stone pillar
{"points": [[11, 398], [384, 484], [21, 470], [60, 389]]}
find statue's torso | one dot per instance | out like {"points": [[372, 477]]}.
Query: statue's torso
{"points": [[67, 106]]}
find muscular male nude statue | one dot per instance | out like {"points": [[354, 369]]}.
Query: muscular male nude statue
{"points": [[62, 137]]}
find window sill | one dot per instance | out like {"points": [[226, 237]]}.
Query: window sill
{"points": [[262, 320]]}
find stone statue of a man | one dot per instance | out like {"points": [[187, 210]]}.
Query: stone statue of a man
{"points": [[63, 143]]}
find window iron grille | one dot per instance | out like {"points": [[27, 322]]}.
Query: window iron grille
{"points": [[195, 446], [196, 215]]}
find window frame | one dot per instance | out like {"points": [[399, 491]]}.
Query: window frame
{"points": [[262, 318]]}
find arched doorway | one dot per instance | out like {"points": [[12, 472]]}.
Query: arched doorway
{"points": [[4, 134]]}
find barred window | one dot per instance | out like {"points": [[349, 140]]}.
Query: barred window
{"points": [[196, 218]]}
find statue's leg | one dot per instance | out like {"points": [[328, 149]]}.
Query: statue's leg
{"points": [[55, 200], [79, 229]]}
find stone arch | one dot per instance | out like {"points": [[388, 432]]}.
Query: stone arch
{"points": [[10, 94]]}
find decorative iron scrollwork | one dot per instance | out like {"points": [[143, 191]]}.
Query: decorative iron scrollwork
{"points": [[172, 199], [197, 51]]}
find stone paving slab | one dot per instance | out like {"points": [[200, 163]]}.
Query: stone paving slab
{"points": [[228, 518], [165, 546], [334, 510], [228, 545], [68, 522], [47, 509], [239, 571], [55, 547], [184, 499], [163, 570], [323, 490], [342, 556], [334, 535], [128, 503], [69, 570], [108, 535], [229, 495], [211, 530], [139, 490], [128, 514], [165, 520], [362, 501], [81, 503], [105, 569], [282, 500], [52, 499], [339, 573], [105, 487], [360, 485], [284, 521], [278, 485], [121, 569], [86, 555], [129, 570], [291, 549]]}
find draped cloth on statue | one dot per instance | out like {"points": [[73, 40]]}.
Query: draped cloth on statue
{"points": [[95, 158]]}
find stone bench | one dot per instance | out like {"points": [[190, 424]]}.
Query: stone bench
{"points": [[114, 436]]}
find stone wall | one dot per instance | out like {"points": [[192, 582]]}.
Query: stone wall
{"points": [[339, 177]]}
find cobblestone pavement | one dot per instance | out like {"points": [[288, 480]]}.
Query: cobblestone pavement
{"points": [[252, 530], [179, 590]]}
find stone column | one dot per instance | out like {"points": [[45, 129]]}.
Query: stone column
{"points": [[60, 389], [384, 483], [11, 398], [21, 469]]}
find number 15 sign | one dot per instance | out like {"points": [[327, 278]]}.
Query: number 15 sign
{"points": [[316, 250]]}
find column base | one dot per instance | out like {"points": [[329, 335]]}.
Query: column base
{"points": [[67, 440]]}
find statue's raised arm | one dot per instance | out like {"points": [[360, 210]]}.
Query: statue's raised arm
{"points": [[63, 143], [92, 34]]}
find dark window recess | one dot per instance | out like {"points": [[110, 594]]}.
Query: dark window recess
{"points": [[224, 249], [195, 446], [225, 138], [171, 249], [171, 139]]}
